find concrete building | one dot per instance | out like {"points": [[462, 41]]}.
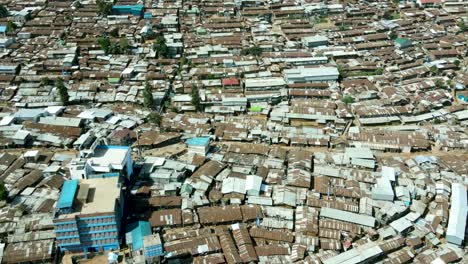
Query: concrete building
{"points": [[265, 83], [314, 41], [135, 233], [145, 246], [304, 75], [198, 145], [87, 216], [253, 185], [458, 211], [153, 247], [103, 162]]}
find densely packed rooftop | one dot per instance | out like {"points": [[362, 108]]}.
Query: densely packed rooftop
{"points": [[234, 131]]}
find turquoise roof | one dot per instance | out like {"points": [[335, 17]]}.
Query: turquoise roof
{"points": [[198, 141], [403, 42], [148, 15], [186, 188], [132, 9], [138, 230], [68, 194], [135, 7]]}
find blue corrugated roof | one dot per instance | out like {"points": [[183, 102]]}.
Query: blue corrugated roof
{"points": [[139, 230], [133, 9], [3, 29], [112, 147], [198, 141], [138, 6], [68, 194]]}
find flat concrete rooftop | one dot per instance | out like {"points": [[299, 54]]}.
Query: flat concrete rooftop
{"points": [[101, 196]]}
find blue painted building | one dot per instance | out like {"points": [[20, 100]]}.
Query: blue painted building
{"points": [[142, 242], [148, 15], [198, 145], [153, 248], [88, 215], [136, 232], [462, 98], [198, 141], [67, 196], [136, 10]]}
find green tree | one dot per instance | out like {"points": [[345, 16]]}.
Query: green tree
{"points": [[343, 27], [254, 51], [3, 192], [439, 83], [104, 7], [195, 98], [462, 26], [155, 118], [449, 83], [105, 43], [387, 15], [456, 62], [160, 47], [124, 45], [114, 48], [320, 20], [109, 47], [11, 26], [342, 73], [45, 81], [114, 32], [434, 69], [149, 35], [183, 61], [78, 4], [211, 76], [148, 100], [173, 108], [347, 99], [62, 91], [3, 11]]}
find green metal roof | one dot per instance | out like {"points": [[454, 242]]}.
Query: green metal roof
{"points": [[403, 42]]}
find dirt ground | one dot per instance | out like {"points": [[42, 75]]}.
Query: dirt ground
{"points": [[165, 151]]}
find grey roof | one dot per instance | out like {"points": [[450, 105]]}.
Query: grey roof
{"points": [[264, 82], [25, 113], [383, 190], [60, 121], [316, 38], [347, 216], [95, 113], [401, 224], [312, 74], [21, 134], [458, 212], [356, 255], [361, 153]]}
